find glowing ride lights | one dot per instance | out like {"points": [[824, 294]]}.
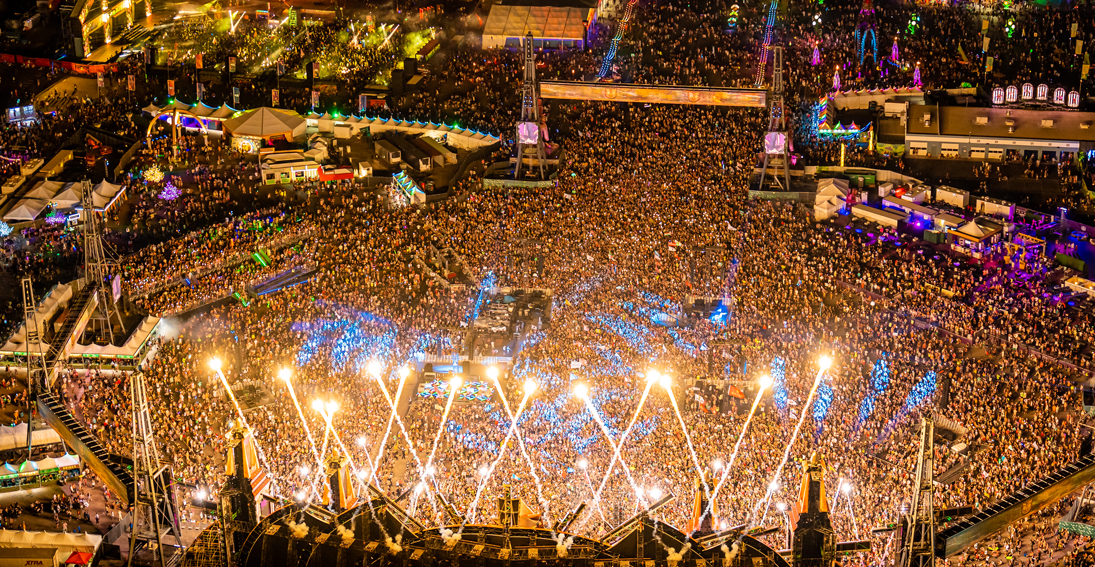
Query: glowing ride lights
{"points": [[606, 63]]}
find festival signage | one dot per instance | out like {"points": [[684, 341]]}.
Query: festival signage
{"points": [[274, 97], [198, 62], [231, 64], [131, 82], [170, 87], [315, 99], [236, 96], [362, 102], [99, 80], [653, 94], [201, 90]]}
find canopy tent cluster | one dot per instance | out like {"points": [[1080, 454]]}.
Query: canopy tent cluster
{"points": [[61, 196], [454, 135]]}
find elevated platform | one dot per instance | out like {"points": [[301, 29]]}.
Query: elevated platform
{"points": [[1031, 498]]}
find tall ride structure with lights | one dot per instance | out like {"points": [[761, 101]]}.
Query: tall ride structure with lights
{"points": [[155, 510], [529, 134], [775, 141], [918, 537], [97, 268], [36, 361]]}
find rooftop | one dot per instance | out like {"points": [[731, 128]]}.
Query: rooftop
{"points": [[995, 123], [552, 22]]}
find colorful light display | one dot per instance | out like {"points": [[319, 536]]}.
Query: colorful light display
{"points": [[153, 174], [606, 64], [468, 392]]}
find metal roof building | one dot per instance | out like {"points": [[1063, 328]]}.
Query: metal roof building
{"points": [[552, 27], [991, 133]]}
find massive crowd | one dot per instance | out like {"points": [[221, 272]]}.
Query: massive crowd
{"points": [[648, 213]]}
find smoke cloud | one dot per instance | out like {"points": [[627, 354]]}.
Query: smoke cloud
{"points": [[298, 531]]}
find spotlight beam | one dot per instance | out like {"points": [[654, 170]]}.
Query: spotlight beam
{"points": [[243, 420], [623, 438], [615, 449], [524, 452], [490, 471], [733, 457], [790, 446]]}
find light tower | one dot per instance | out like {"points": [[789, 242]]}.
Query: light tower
{"points": [[918, 539], [36, 360], [155, 510], [775, 141], [97, 267], [528, 129]]}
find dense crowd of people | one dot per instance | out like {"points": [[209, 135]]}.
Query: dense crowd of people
{"points": [[648, 216]]}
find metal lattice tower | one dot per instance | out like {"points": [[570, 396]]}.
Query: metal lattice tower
{"points": [[36, 362], [918, 547], [776, 140], [96, 265], [528, 129], [153, 496]]}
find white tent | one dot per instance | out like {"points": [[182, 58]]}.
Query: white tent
{"points": [[831, 186], [69, 197], [44, 190], [26, 210], [103, 194], [47, 308], [972, 230], [827, 207], [16, 436], [266, 122], [16, 542]]}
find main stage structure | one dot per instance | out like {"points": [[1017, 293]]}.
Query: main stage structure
{"points": [[340, 529]]}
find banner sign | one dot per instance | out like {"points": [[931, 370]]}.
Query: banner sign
{"points": [[652, 94], [231, 64], [201, 91], [170, 87], [99, 80], [362, 102], [198, 61], [236, 96], [315, 99], [274, 97], [131, 81]]}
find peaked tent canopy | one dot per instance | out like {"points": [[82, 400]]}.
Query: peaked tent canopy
{"points": [[266, 122], [971, 229], [69, 197], [79, 558], [44, 190], [26, 210]]}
